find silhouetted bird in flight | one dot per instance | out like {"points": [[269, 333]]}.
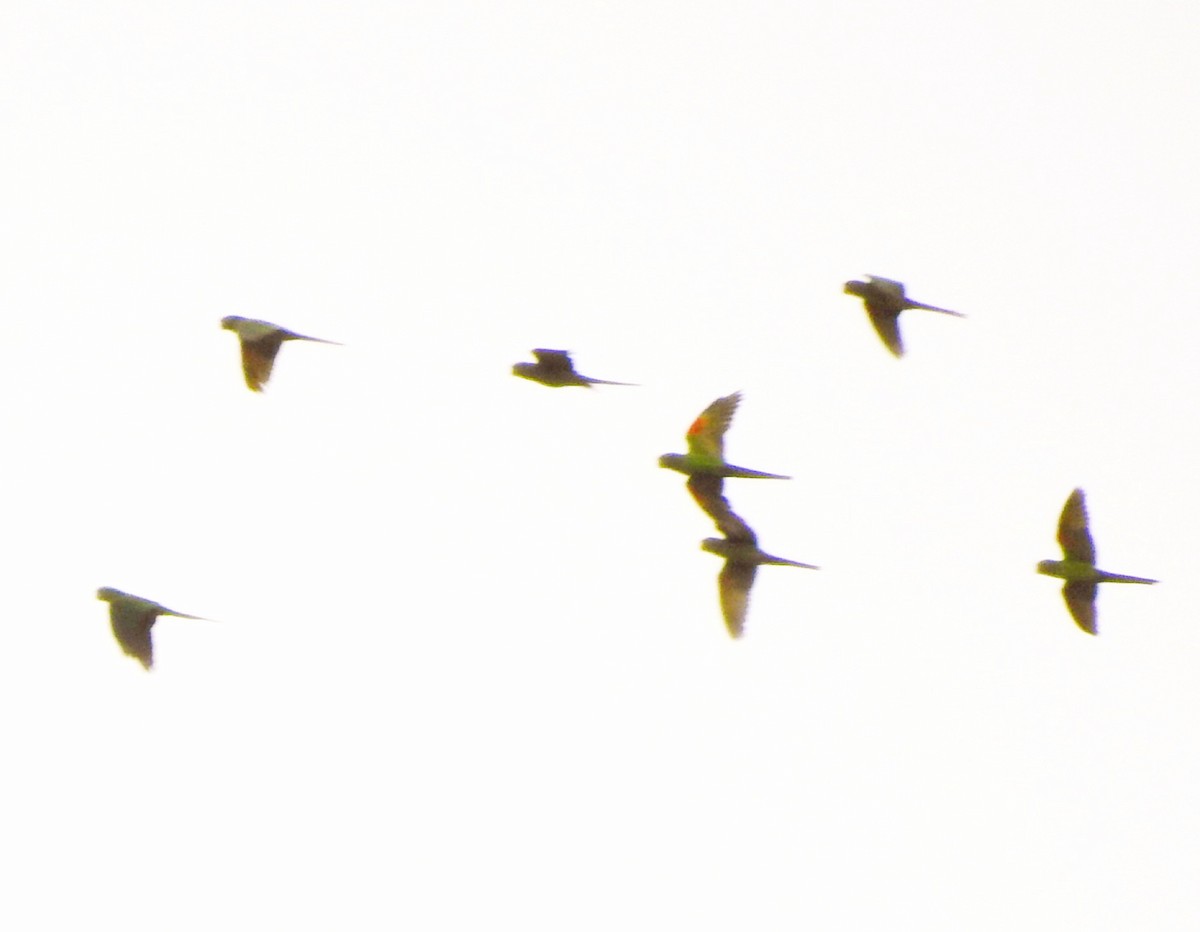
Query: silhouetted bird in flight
{"points": [[885, 299], [704, 461], [1078, 566], [554, 368], [260, 343], [132, 618], [739, 547]]}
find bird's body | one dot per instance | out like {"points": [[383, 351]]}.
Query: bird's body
{"points": [[132, 617], [702, 466], [885, 299], [746, 551], [1075, 571], [1078, 568], [554, 368], [260, 341], [706, 446]]}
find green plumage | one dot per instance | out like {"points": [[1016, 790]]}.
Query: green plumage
{"points": [[1078, 567], [706, 445]]}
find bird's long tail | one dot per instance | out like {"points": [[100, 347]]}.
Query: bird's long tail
{"points": [[1117, 577], [592, 381], [773, 560], [182, 615], [738, 472], [301, 336], [929, 307]]}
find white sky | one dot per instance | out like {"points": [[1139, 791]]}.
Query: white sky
{"points": [[469, 669]]}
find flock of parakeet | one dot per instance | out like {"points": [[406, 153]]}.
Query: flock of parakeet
{"points": [[132, 617], [704, 464]]}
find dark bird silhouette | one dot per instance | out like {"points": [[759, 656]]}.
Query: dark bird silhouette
{"points": [[554, 368], [885, 299], [1078, 567], [260, 344], [132, 618], [739, 547]]}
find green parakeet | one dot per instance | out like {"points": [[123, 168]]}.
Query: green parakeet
{"points": [[739, 547], [885, 299], [554, 368], [1078, 566], [260, 343], [706, 451], [132, 618]]}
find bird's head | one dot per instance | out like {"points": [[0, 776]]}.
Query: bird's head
{"points": [[717, 545], [523, 369], [856, 288], [107, 594], [231, 322], [1049, 567], [672, 461]]}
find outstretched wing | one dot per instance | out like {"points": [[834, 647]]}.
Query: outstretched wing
{"points": [[707, 491], [1081, 602], [131, 624], [706, 436], [554, 362], [733, 585], [1073, 534], [258, 358], [887, 325], [889, 293]]}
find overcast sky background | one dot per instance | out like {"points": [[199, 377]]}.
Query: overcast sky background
{"points": [[468, 666]]}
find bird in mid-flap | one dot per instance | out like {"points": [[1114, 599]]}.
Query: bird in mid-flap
{"points": [[706, 447], [1078, 566], [260, 344], [885, 299], [132, 618], [554, 368]]}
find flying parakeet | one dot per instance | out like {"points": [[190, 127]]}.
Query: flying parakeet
{"points": [[132, 618], [885, 299], [260, 343], [554, 368], [742, 556], [1078, 567], [705, 458]]}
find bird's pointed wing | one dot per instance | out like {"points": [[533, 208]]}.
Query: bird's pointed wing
{"points": [[706, 436], [734, 584], [887, 288], [258, 358], [887, 325], [707, 491], [553, 361], [1081, 602], [1073, 534], [131, 624]]}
